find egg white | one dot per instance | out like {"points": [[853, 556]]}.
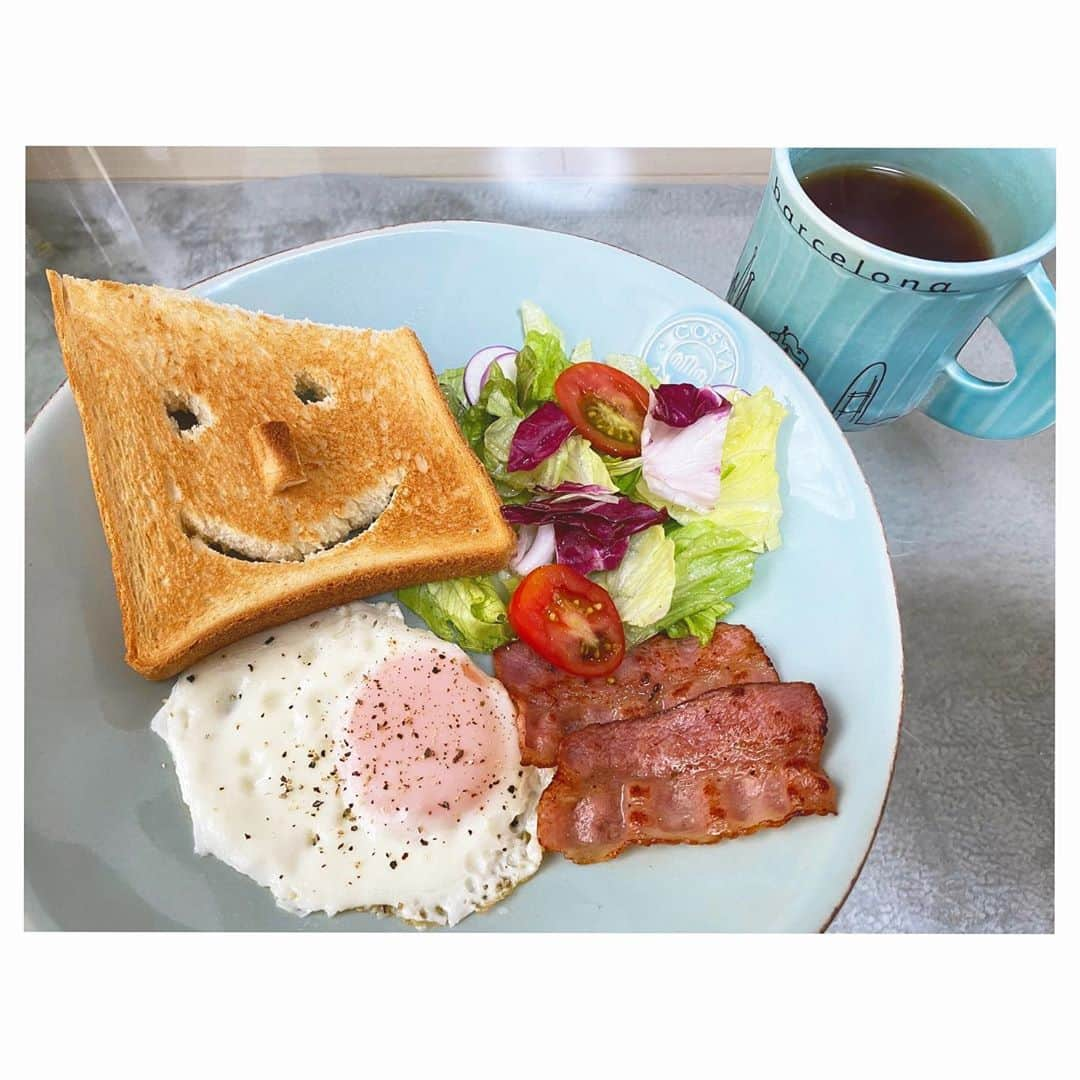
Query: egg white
{"points": [[256, 734]]}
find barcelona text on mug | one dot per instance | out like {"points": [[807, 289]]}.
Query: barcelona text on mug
{"points": [[881, 277]]}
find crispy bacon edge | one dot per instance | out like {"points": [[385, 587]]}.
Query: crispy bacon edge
{"points": [[729, 763], [734, 655]]}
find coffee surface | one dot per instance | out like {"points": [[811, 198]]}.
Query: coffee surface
{"points": [[899, 211]]}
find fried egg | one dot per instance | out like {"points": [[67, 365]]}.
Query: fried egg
{"points": [[351, 761]]}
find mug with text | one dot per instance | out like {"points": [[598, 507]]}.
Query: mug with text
{"points": [[878, 332]]}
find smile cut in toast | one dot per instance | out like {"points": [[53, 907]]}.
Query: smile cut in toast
{"points": [[251, 469]]}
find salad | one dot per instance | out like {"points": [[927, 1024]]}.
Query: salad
{"points": [[640, 507]]}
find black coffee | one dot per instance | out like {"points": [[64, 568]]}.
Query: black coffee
{"points": [[899, 211]]}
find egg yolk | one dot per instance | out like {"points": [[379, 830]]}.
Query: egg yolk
{"points": [[426, 739]]}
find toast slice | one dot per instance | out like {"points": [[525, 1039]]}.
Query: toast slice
{"points": [[250, 469]]}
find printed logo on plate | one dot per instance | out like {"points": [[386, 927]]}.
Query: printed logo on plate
{"points": [[695, 349]]}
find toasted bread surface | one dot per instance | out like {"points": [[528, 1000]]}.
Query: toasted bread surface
{"points": [[173, 392], [276, 454]]}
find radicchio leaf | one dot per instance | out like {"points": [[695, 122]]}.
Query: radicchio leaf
{"points": [[681, 465], [680, 404], [537, 437], [592, 526]]}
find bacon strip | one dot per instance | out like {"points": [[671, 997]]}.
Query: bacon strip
{"points": [[659, 674], [730, 762]]}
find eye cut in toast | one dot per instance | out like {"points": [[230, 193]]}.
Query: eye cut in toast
{"points": [[251, 469]]}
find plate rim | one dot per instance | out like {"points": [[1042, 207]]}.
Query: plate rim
{"points": [[342, 239]]}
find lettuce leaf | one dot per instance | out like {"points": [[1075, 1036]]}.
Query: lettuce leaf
{"points": [[625, 473], [681, 465], [711, 564], [499, 395], [627, 482], [452, 385], [535, 319], [575, 461], [498, 400], [749, 484], [635, 367], [749, 499], [642, 584], [582, 352], [540, 362], [494, 453], [470, 612]]}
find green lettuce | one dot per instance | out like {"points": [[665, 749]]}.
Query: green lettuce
{"points": [[452, 385], [711, 564], [574, 461], [582, 353], [628, 481], [535, 320], [467, 611], [499, 395], [641, 586], [749, 485], [498, 401], [749, 499], [539, 363], [634, 366], [494, 453], [625, 473]]}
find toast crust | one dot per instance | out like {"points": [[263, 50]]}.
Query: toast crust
{"points": [[169, 389]]}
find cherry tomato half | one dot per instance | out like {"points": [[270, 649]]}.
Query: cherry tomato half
{"points": [[568, 620], [605, 405]]}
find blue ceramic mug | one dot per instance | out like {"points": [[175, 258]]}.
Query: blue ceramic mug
{"points": [[878, 332]]}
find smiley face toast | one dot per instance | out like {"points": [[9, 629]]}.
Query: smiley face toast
{"points": [[251, 469]]}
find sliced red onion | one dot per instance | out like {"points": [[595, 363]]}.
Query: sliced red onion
{"points": [[476, 370], [536, 547], [681, 465], [507, 361], [682, 404], [537, 437]]}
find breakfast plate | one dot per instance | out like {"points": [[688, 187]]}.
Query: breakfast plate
{"points": [[108, 838]]}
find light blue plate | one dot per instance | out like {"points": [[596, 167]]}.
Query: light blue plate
{"points": [[108, 840]]}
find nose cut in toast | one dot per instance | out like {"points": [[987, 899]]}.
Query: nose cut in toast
{"points": [[276, 456]]}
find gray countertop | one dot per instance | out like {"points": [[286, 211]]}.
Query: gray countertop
{"points": [[967, 840]]}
